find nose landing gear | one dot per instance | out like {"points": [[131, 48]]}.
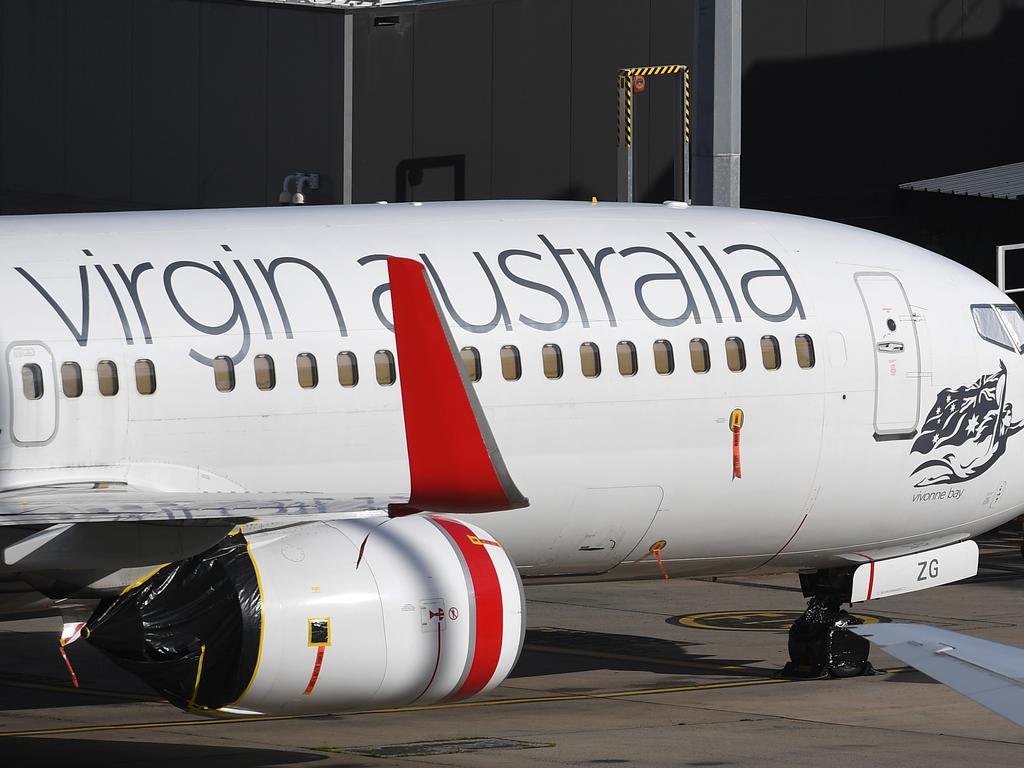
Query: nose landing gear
{"points": [[820, 645]]}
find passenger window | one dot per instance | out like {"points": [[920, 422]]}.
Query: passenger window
{"points": [[71, 379], [266, 376], [305, 363], [471, 360], [223, 373], [551, 355], [804, 351], [145, 377], [384, 363], [32, 381], [625, 351], [511, 367], [735, 354], [107, 371], [770, 353], [700, 356], [664, 357], [348, 369], [590, 359]]}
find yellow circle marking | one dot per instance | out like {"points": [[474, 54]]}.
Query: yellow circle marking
{"points": [[753, 621], [736, 419]]}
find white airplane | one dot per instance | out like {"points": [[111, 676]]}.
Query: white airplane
{"points": [[202, 430]]}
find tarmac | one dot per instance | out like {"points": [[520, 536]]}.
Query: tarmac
{"points": [[667, 673]]}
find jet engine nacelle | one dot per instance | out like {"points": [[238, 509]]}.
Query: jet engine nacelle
{"points": [[324, 617]]}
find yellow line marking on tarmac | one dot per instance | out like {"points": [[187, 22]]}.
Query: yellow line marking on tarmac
{"points": [[424, 708], [399, 710]]}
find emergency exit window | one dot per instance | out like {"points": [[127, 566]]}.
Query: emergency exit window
{"points": [[32, 381]]}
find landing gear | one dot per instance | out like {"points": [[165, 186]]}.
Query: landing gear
{"points": [[820, 645]]}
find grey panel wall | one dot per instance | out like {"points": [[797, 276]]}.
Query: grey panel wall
{"points": [[304, 97], [531, 109], [606, 35], [233, 105], [33, 97], [98, 135], [512, 98], [115, 104], [383, 113], [165, 103], [452, 104]]}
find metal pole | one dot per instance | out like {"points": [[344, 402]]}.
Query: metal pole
{"points": [[678, 149], [717, 156], [346, 118], [625, 148], [686, 134]]}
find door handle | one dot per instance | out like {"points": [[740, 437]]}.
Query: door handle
{"points": [[890, 346]]}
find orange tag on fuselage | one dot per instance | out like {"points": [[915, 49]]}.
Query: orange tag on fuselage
{"points": [[736, 424]]}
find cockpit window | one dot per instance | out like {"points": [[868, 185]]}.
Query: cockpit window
{"points": [[990, 327], [1014, 321]]}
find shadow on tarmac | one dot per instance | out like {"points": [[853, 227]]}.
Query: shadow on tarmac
{"points": [[101, 753], [554, 651]]}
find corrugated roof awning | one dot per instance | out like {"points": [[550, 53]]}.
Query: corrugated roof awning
{"points": [[1003, 181]]}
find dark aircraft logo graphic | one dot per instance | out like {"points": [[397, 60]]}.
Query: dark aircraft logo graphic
{"points": [[966, 431]]}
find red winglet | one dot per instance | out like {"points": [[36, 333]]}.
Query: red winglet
{"points": [[454, 462]]}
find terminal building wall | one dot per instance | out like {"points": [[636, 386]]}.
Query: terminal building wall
{"points": [[114, 104]]}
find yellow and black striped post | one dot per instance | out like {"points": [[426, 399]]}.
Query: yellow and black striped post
{"points": [[626, 127]]}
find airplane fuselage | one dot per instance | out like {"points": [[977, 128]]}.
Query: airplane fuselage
{"points": [[593, 326]]}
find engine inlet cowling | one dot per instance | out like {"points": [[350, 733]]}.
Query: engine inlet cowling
{"points": [[324, 617]]}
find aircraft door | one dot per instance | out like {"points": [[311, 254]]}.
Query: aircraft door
{"points": [[33, 393], [897, 355]]}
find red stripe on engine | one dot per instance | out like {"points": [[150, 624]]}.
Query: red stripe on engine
{"points": [[489, 607], [871, 579]]}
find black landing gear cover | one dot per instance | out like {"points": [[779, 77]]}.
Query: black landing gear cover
{"points": [[820, 645]]}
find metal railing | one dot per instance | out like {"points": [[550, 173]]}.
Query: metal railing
{"points": [[1001, 252], [633, 80]]}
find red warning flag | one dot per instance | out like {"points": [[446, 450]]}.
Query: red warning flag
{"points": [[736, 424]]}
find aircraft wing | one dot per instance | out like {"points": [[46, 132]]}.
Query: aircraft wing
{"points": [[115, 502], [454, 466], [990, 673], [111, 526]]}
